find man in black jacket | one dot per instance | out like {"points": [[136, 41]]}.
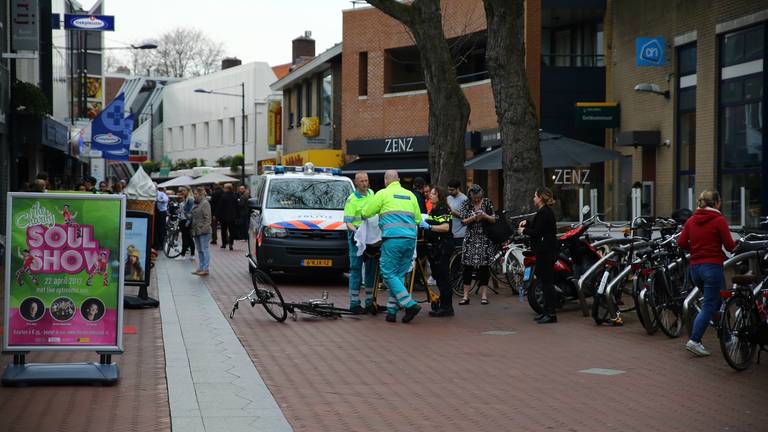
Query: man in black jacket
{"points": [[226, 214], [418, 186], [215, 198]]}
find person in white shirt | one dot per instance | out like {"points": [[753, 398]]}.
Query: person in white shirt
{"points": [[161, 213]]}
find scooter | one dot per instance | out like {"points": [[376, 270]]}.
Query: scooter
{"points": [[576, 256]]}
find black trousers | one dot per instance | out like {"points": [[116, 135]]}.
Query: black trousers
{"points": [[439, 258], [160, 218], [214, 230], [545, 274], [186, 240], [227, 232]]}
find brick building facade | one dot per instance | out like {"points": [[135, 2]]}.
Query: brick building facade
{"points": [[384, 102], [708, 128]]}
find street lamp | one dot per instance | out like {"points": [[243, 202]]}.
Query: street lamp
{"points": [[242, 99], [651, 88]]}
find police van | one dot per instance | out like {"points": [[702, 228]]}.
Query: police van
{"points": [[297, 219]]}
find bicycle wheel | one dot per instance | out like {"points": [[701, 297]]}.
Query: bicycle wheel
{"points": [[456, 271], [172, 247], [665, 307], [268, 295], [497, 273], [738, 324], [514, 273], [602, 308]]}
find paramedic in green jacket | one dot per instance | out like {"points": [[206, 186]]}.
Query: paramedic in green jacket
{"points": [[399, 217], [353, 210]]}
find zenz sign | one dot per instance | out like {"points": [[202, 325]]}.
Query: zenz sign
{"points": [[571, 176], [399, 145], [388, 146]]}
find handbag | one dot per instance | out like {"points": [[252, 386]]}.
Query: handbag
{"points": [[498, 231]]}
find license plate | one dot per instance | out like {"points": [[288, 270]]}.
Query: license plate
{"points": [[317, 263], [527, 274]]}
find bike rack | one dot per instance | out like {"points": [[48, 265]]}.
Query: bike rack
{"points": [[632, 242]]}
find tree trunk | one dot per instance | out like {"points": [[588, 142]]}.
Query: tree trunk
{"points": [[515, 111], [448, 107]]}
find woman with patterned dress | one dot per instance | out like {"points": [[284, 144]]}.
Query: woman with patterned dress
{"points": [[478, 250]]}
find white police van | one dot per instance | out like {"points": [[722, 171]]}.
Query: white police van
{"points": [[297, 219]]}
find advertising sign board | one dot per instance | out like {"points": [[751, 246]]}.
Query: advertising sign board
{"points": [[64, 279]]}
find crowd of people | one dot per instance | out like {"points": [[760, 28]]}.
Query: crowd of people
{"points": [[447, 220], [203, 212]]}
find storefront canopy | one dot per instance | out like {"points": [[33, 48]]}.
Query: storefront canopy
{"points": [[557, 151], [377, 165], [178, 181], [213, 178]]}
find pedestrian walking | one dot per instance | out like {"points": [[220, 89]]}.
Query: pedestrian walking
{"points": [[543, 233], [704, 235], [243, 213], [440, 239], [399, 216], [201, 230], [353, 209], [161, 216], [186, 202], [226, 214], [456, 200], [477, 250], [215, 198]]}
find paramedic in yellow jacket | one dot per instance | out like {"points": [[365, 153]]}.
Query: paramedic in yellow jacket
{"points": [[399, 217], [353, 210]]}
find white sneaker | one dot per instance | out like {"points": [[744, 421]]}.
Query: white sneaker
{"points": [[181, 258], [697, 349], [431, 281]]}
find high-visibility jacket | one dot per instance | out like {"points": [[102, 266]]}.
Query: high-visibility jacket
{"points": [[353, 208], [398, 210]]}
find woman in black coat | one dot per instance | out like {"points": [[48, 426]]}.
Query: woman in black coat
{"points": [[543, 233]]}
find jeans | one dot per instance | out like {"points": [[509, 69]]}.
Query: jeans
{"points": [[357, 276], [203, 254], [710, 279], [396, 260]]}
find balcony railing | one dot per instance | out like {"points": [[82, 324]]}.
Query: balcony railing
{"points": [[421, 85]]}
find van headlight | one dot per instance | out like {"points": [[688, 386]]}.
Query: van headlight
{"points": [[275, 232]]}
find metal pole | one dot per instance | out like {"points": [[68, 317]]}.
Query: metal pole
{"points": [[743, 198], [581, 204], [242, 92], [151, 131]]}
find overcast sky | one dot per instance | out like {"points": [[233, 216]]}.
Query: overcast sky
{"points": [[250, 29]]}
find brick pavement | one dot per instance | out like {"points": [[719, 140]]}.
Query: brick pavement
{"points": [[139, 402], [446, 374]]}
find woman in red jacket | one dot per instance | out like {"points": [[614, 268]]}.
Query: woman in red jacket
{"points": [[704, 235]]}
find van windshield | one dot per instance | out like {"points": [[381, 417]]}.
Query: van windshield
{"points": [[298, 193]]}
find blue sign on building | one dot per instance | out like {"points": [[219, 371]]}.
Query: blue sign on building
{"points": [[89, 22], [650, 51]]}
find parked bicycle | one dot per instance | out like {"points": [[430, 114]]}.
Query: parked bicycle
{"points": [[743, 330]]}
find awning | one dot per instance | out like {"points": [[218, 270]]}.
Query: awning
{"points": [[213, 178], [379, 165], [557, 151], [178, 181]]}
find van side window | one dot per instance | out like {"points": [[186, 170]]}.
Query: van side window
{"points": [[258, 193]]}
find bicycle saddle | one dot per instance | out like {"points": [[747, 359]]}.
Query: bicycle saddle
{"points": [[748, 246]]}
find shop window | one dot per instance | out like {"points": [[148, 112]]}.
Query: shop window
{"points": [[403, 71], [299, 104], [326, 99], [362, 78], [308, 89], [743, 46], [742, 136], [287, 94], [741, 120], [686, 125]]}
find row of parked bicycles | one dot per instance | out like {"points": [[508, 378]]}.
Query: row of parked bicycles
{"points": [[643, 271]]}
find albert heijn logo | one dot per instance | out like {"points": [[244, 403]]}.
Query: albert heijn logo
{"points": [[650, 51]]}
